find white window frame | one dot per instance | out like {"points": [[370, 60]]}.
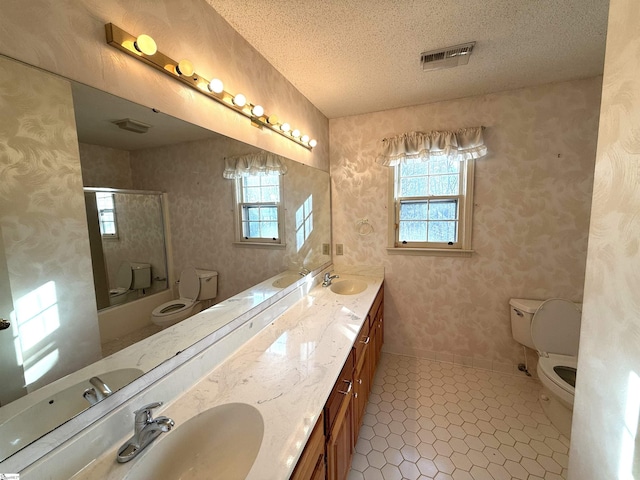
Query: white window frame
{"points": [[462, 247], [240, 209], [110, 236]]}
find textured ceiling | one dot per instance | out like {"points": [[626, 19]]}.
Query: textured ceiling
{"points": [[357, 56]]}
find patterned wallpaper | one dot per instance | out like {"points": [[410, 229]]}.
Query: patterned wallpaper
{"points": [[43, 220], [67, 37], [105, 167], [605, 441], [531, 216]]}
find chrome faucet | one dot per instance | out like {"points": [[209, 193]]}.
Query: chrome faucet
{"points": [[146, 430], [328, 278], [98, 392]]}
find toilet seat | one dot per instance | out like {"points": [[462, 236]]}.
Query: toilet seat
{"points": [[174, 311], [555, 330], [552, 380]]}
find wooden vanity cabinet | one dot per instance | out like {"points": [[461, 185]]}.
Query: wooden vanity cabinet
{"points": [[339, 423], [312, 465], [346, 405]]}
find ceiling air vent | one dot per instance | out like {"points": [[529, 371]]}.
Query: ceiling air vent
{"points": [[446, 57]]}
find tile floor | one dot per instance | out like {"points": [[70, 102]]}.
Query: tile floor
{"points": [[429, 420]]}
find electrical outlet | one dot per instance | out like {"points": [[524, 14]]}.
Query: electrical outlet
{"points": [[326, 249], [339, 249]]}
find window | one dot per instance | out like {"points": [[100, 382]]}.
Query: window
{"points": [[432, 206], [259, 208], [107, 214], [304, 222]]}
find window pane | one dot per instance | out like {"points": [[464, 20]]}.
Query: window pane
{"points": [[413, 231], [252, 213], [251, 181], [443, 210], [444, 185], [270, 194], [270, 230], [413, 169], [108, 228], [413, 211], [442, 232], [413, 186], [443, 166], [251, 195], [269, 213]]}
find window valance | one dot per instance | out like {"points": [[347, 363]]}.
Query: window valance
{"points": [[260, 163], [463, 144]]}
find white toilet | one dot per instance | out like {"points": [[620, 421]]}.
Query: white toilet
{"points": [[552, 328], [195, 286], [131, 276]]}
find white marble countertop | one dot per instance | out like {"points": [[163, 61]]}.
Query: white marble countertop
{"points": [[286, 371]]}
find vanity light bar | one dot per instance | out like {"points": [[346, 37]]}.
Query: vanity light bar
{"points": [[144, 48]]}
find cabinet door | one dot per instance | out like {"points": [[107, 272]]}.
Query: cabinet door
{"points": [[361, 388], [339, 444], [311, 461]]}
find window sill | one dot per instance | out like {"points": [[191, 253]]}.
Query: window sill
{"points": [[275, 246], [433, 252]]}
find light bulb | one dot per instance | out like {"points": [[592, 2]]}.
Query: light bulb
{"points": [[240, 100], [296, 133], [145, 44], [273, 120], [305, 138], [313, 142], [257, 110], [285, 127], [185, 67], [216, 85]]}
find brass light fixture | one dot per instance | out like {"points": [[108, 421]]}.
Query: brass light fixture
{"points": [[144, 48]]}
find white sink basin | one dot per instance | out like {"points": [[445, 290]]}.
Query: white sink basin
{"points": [[348, 287], [285, 281], [221, 442]]}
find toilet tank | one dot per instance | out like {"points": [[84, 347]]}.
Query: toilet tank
{"points": [[141, 275], [208, 284], [522, 311]]}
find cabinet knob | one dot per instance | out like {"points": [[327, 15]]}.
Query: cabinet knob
{"points": [[359, 381], [355, 395]]}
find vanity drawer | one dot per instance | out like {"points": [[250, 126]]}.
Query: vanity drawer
{"points": [[341, 392]]}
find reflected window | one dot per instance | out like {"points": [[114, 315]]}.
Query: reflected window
{"points": [[259, 208], [304, 222], [432, 204], [107, 214]]}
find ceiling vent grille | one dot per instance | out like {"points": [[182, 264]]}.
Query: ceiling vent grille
{"points": [[446, 57]]}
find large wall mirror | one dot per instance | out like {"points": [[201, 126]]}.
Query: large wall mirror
{"points": [[96, 225]]}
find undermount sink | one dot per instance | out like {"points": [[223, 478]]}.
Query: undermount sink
{"points": [[222, 442], [348, 287], [285, 281]]}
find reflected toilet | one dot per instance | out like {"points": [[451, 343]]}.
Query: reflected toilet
{"points": [[195, 287], [131, 276]]}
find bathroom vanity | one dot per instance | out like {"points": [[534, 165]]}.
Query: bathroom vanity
{"points": [[300, 370]]}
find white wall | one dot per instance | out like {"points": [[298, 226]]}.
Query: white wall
{"points": [[605, 442], [531, 217]]}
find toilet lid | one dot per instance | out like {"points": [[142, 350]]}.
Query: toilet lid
{"points": [[124, 277], [189, 286], [555, 327]]}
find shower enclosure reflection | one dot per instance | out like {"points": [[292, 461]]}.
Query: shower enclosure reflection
{"points": [[127, 241]]}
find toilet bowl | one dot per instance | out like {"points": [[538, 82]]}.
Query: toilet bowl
{"points": [[552, 328], [195, 286]]}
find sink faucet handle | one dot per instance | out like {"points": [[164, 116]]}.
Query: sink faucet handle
{"points": [[143, 415]]}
